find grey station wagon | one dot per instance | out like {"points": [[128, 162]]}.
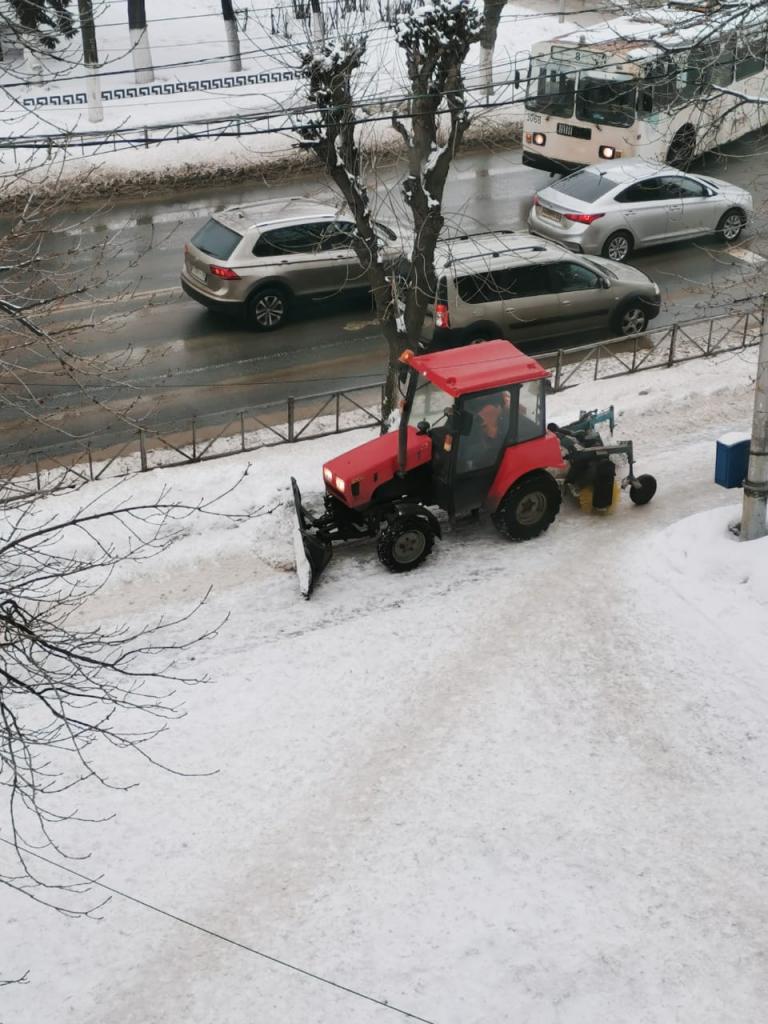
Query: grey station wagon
{"points": [[516, 286], [258, 259]]}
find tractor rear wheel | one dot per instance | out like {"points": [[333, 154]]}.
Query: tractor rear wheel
{"points": [[404, 543], [528, 508]]}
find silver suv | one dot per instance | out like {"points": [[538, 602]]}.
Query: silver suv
{"points": [[257, 259], [508, 284]]}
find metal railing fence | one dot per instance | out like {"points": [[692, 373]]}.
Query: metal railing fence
{"points": [[297, 419]]}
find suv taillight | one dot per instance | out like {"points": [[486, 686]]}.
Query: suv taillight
{"points": [[441, 315], [224, 272]]}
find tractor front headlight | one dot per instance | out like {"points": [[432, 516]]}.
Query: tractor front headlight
{"points": [[328, 475], [340, 485]]}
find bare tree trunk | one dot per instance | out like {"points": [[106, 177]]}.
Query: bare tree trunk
{"points": [[233, 38], [142, 55], [317, 22], [491, 17], [91, 60]]}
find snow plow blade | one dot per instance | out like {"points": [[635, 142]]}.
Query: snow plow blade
{"points": [[310, 552]]}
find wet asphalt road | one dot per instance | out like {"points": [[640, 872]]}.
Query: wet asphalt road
{"points": [[174, 360]]}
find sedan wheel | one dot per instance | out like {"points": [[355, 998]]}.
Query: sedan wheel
{"points": [[633, 320], [731, 225], [617, 247]]}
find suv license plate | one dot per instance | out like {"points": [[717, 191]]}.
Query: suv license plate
{"points": [[199, 275]]}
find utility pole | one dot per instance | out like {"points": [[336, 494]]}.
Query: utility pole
{"points": [[753, 514]]}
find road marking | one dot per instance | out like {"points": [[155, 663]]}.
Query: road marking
{"points": [[747, 257], [107, 300], [359, 325]]}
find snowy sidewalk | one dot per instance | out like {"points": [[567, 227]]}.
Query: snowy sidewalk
{"points": [[525, 783]]}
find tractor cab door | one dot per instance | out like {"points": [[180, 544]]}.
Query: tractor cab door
{"points": [[478, 448]]}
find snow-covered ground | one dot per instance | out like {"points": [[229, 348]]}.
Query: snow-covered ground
{"points": [[525, 783], [194, 80]]}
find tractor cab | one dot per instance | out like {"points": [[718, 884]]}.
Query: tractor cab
{"points": [[483, 409]]}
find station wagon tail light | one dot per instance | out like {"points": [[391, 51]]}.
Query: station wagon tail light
{"points": [[583, 218], [224, 272], [441, 315]]}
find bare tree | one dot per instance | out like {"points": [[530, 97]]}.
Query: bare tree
{"points": [[434, 38], [71, 686]]}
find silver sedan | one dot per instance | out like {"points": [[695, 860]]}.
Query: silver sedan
{"points": [[610, 209]]}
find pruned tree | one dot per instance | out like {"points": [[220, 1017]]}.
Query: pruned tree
{"points": [[91, 59], [434, 39], [233, 36], [492, 11], [142, 54]]}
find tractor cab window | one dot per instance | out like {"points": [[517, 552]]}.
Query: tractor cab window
{"points": [[429, 405], [530, 411], [481, 446]]}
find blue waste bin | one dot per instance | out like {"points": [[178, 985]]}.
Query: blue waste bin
{"points": [[731, 460]]}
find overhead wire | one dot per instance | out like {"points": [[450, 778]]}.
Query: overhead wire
{"points": [[217, 935]]}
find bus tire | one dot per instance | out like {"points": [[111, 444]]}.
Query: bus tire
{"points": [[682, 148]]}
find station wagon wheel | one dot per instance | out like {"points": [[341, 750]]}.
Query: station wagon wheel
{"points": [[633, 319], [730, 225], [618, 247], [268, 308]]}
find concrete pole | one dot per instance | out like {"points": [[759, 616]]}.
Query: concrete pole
{"points": [[143, 70], [753, 514]]}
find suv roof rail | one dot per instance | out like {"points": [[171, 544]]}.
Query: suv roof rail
{"points": [[501, 252], [477, 234]]}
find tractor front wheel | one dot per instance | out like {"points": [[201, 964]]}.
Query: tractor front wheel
{"points": [[528, 508], [404, 543]]}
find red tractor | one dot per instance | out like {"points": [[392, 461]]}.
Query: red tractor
{"points": [[473, 435]]}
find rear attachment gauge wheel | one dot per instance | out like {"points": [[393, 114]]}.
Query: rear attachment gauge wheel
{"points": [[403, 544], [643, 489], [528, 508]]}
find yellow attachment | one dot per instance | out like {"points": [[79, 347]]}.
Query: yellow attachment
{"points": [[585, 499]]}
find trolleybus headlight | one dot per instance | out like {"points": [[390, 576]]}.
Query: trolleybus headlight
{"points": [[609, 153], [539, 139]]}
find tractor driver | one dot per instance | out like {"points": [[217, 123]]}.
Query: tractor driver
{"points": [[482, 446]]}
